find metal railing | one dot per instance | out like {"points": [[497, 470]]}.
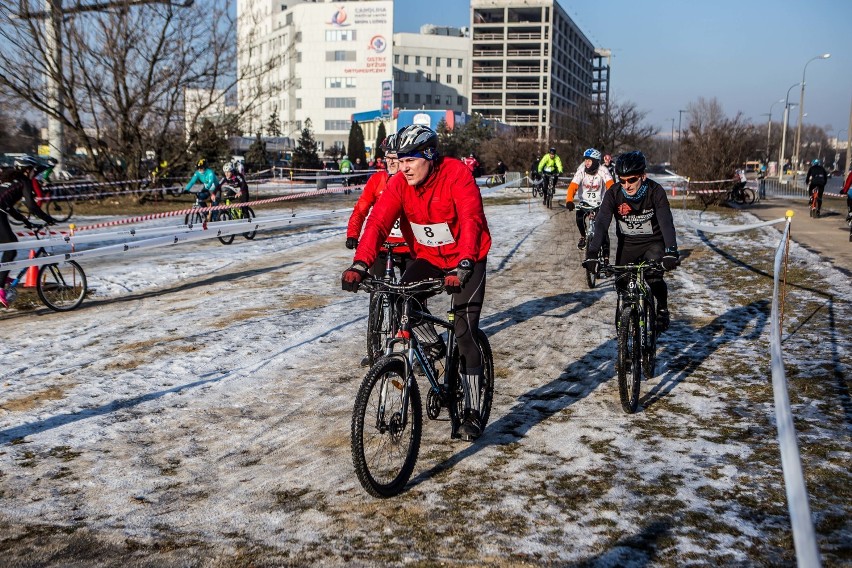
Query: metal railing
{"points": [[790, 187]]}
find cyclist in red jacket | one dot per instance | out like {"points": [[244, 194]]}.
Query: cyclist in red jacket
{"points": [[442, 219]]}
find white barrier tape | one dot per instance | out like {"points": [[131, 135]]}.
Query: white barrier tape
{"points": [[515, 183], [196, 233], [727, 229], [101, 195], [804, 539]]}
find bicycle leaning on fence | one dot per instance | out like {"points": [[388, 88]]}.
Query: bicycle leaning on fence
{"points": [[60, 286], [636, 329], [387, 419]]}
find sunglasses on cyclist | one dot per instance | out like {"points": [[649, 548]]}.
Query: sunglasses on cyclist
{"points": [[629, 180]]}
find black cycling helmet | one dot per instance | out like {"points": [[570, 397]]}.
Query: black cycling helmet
{"points": [[389, 144], [630, 163], [552, 151], [417, 139], [200, 164]]}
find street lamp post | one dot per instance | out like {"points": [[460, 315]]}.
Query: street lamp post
{"points": [[802, 107], [784, 133], [671, 144], [769, 129]]}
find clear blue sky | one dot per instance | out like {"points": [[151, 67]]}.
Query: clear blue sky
{"points": [[668, 53]]}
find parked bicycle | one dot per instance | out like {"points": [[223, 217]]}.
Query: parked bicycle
{"points": [[741, 194], [238, 213], [636, 328], [61, 286], [387, 418], [591, 211], [383, 318]]}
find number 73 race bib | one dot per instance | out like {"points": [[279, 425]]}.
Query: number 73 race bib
{"points": [[435, 235]]}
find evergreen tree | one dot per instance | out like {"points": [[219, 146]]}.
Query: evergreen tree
{"points": [[305, 156], [380, 137], [356, 144], [256, 155], [273, 128], [210, 144]]}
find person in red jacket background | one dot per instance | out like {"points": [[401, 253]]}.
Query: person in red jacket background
{"points": [[441, 216], [846, 185]]}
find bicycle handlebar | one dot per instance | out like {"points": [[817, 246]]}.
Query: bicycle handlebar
{"points": [[423, 286], [584, 205], [647, 265]]}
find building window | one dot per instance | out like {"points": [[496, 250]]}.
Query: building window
{"points": [[417, 60], [449, 100], [290, 19], [405, 97], [405, 60], [428, 60], [339, 35], [437, 99], [417, 77], [449, 62], [340, 102], [460, 63], [298, 37], [298, 57], [428, 77], [449, 79], [396, 59], [298, 103], [458, 100], [337, 125], [340, 82], [416, 98], [339, 56], [460, 79]]}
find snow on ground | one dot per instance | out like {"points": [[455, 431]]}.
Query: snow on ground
{"points": [[195, 411]]}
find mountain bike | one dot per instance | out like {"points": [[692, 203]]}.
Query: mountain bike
{"points": [[537, 189], [61, 286], [814, 202], [243, 212], [591, 211], [198, 217], [383, 318], [741, 194], [636, 328], [55, 200], [549, 188], [387, 419]]}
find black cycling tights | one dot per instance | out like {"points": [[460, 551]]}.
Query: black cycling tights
{"points": [[468, 304]]}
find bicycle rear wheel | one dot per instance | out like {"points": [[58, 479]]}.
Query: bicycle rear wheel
{"points": [[384, 446], [749, 196], [486, 386], [60, 210], [61, 287], [225, 215], [629, 363], [649, 351]]}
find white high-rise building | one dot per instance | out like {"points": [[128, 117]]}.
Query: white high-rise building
{"points": [[326, 60]]}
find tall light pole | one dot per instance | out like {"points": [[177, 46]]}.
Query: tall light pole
{"points": [[802, 107], [671, 145], [784, 133], [769, 129]]}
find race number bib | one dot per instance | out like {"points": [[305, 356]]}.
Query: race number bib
{"points": [[435, 235], [395, 231], [633, 226], [593, 197]]}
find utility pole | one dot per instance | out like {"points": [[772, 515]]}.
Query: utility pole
{"points": [[53, 15], [671, 144]]}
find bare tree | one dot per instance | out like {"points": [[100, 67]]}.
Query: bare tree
{"points": [[121, 75], [622, 129], [713, 145]]}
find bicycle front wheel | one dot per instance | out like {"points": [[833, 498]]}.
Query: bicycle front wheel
{"points": [[225, 215], [61, 287], [380, 326], [629, 361], [196, 218], [749, 196], [248, 215], [386, 433], [649, 351], [60, 210]]}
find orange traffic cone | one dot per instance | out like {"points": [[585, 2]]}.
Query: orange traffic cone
{"points": [[32, 274], [674, 190]]}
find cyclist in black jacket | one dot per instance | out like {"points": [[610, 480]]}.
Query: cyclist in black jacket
{"points": [[815, 180], [645, 228], [17, 184]]}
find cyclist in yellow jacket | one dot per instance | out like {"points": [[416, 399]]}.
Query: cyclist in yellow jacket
{"points": [[550, 167]]}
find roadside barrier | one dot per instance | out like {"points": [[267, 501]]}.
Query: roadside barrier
{"points": [[804, 539]]}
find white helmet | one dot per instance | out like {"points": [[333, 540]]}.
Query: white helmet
{"points": [[228, 167]]}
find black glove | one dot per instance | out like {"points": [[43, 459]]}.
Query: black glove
{"points": [[351, 242], [671, 258], [353, 276], [569, 205], [591, 264], [455, 281]]}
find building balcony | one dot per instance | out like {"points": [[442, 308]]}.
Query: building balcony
{"points": [[488, 36], [487, 69], [488, 52], [523, 69], [486, 86], [524, 35], [526, 52], [522, 102], [522, 119], [523, 86], [487, 102]]}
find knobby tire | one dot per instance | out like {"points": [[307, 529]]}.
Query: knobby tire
{"points": [[379, 326], [649, 355], [384, 460], [61, 287], [225, 215], [629, 364], [486, 387]]}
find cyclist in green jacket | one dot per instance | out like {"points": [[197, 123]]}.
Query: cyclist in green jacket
{"points": [[551, 166], [206, 177]]}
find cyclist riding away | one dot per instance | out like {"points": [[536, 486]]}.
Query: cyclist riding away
{"points": [[645, 228], [815, 180], [593, 181], [551, 166], [441, 216], [372, 190], [236, 180], [16, 184], [207, 177]]}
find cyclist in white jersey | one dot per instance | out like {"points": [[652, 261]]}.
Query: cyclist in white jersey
{"points": [[592, 181]]}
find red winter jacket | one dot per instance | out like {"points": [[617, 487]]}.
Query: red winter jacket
{"points": [[442, 219], [374, 188]]}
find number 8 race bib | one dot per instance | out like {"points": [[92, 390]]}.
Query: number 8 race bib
{"points": [[396, 231], [434, 235]]}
